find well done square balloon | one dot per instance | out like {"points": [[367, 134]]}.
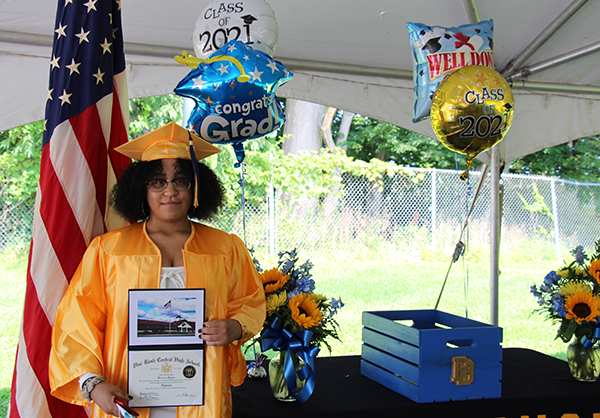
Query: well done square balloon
{"points": [[439, 51]]}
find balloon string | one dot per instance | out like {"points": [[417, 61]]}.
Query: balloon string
{"points": [[241, 183], [460, 246], [467, 212]]}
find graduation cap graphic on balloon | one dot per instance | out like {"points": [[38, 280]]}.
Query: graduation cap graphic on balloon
{"points": [[234, 94]]}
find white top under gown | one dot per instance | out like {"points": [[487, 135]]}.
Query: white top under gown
{"points": [[170, 278]]}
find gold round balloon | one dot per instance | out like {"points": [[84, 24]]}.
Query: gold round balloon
{"points": [[471, 110]]}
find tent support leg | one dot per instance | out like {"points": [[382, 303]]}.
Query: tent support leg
{"points": [[495, 222]]}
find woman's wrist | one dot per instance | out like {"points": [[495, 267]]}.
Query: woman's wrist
{"points": [[88, 386]]}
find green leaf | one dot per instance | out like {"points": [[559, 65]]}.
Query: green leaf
{"points": [[567, 329]]}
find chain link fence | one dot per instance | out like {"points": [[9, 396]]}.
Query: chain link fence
{"points": [[414, 213]]}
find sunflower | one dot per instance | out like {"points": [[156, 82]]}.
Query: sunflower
{"points": [[571, 288], [305, 311], [594, 270], [565, 273], [273, 280], [274, 301], [582, 306], [319, 297]]}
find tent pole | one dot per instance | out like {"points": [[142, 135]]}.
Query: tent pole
{"points": [[495, 221], [543, 37]]}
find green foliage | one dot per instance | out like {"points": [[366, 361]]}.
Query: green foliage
{"points": [[538, 205], [578, 160], [310, 174], [21, 150], [149, 113], [369, 138]]}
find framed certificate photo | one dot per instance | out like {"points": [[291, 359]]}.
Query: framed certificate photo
{"points": [[166, 354], [165, 316]]}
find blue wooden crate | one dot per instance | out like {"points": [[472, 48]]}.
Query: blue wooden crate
{"points": [[432, 356]]}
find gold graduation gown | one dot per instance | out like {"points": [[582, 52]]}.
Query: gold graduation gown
{"points": [[90, 330]]}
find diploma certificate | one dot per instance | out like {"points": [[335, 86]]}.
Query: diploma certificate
{"points": [[166, 355], [160, 378]]}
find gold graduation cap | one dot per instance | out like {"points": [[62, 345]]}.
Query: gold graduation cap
{"points": [[169, 141]]}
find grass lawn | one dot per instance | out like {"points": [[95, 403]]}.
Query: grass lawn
{"points": [[371, 281], [12, 283]]}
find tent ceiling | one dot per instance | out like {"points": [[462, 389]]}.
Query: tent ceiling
{"points": [[350, 55]]}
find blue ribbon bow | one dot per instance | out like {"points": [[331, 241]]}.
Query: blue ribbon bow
{"points": [[276, 337], [586, 342]]}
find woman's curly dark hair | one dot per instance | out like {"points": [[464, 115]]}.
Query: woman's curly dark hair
{"points": [[128, 196]]}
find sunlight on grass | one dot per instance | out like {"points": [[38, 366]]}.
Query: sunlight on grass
{"points": [[12, 283]]}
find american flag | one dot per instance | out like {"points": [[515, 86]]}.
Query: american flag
{"points": [[86, 117]]}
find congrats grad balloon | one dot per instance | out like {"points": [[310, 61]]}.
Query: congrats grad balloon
{"points": [[472, 110], [234, 90]]}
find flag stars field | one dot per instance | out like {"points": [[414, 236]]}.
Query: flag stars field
{"points": [[65, 98], [73, 67], [83, 36], [61, 31], [99, 76], [54, 62], [105, 46], [91, 5]]}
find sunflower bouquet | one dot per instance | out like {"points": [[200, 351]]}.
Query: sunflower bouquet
{"points": [[570, 297], [292, 302], [299, 321]]}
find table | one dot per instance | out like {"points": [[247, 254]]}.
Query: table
{"points": [[533, 384]]}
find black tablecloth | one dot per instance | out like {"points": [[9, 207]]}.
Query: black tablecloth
{"points": [[533, 384]]}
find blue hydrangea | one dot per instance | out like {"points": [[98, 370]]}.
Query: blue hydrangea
{"points": [[287, 266], [335, 304], [558, 305], [579, 254], [305, 285], [551, 278], [533, 289]]}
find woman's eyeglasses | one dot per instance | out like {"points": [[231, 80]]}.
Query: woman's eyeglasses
{"points": [[159, 185]]}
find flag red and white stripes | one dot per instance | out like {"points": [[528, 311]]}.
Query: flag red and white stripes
{"points": [[86, 117]]}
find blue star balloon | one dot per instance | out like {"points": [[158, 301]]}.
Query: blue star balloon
{"points": [[234, 92]]}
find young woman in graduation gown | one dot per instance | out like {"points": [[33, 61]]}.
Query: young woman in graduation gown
{"points": [[166, 250]]}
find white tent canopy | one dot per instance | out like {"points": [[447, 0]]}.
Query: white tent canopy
{"points": [[352, 55]]}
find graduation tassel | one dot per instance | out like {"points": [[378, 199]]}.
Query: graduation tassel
{"points": [[196, 168]]}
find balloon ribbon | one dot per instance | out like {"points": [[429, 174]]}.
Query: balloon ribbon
{"points": [[193, 62]]}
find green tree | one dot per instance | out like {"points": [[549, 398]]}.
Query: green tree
{"points": [[578, 160], [20, 153], [149, 113], [369, 138]]}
